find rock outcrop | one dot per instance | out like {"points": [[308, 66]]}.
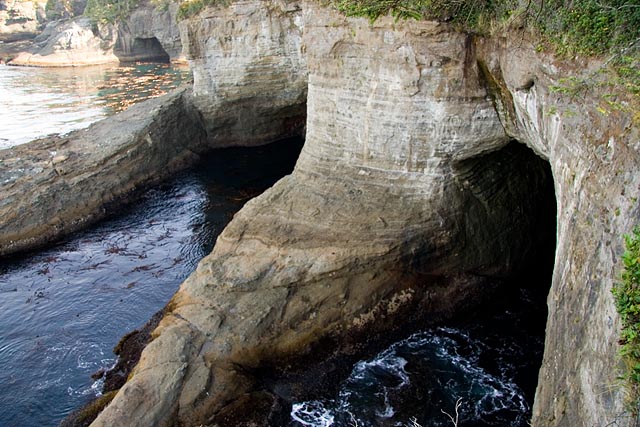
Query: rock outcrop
{"points": [[53, 186], [395, 215], [20, 19], [71, 43], [253, 115], [249, 72], [150, 34], [408, 195], [594, 154]]}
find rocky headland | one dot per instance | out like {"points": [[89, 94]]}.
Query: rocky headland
{"points": [[148, 34], [431, 156]]}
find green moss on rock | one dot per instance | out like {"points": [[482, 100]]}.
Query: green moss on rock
{"points": [[627, 300]]}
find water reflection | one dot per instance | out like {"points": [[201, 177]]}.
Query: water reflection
{"points": [[35, 102]]}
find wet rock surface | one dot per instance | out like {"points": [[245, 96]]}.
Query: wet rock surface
{"points": [[56, 185]]}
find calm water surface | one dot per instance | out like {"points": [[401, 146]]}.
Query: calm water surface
{"points": [[62, 310], [35, 102]]}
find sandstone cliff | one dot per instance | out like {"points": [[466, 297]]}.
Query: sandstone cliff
{"points": [[149, 141], [593, 155], [151, 33], [408, 194], [405, 197], [249, 72]]}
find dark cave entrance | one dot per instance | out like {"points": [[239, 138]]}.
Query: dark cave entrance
{"points": [[517, 187], [489, 354], [140, 50]]}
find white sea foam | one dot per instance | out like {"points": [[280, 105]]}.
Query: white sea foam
{"points": [[312, 414]]}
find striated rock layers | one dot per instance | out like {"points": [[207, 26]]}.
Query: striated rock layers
{"points": [[408, 194], [69, 179], [249, 71], [594, 153], [53, 186]]}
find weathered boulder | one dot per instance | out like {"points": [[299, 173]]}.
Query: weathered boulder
{"points": [[56, 185], [151, 33], [73, 42], [395, 215], [249, 72], [20, 19]]}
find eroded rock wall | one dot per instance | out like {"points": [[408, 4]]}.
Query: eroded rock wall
{"points": [[377, 228], [249, 71], [151, 33], [594, 156]]}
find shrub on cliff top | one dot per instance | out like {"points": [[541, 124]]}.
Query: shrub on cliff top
{"points": [[627, 300], [109, 11], [575, 26], [191, 8]]}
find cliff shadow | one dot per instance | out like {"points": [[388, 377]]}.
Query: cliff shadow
{"points": [[516, 187]]}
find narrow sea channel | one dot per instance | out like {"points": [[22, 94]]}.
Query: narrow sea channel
{"points": [[62, 310]]}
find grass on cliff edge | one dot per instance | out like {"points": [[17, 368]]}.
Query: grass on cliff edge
{"points": [[583, 27], [627, 300]]}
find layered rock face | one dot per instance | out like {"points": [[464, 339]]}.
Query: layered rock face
{"points": [[249, 72], [407, 195], [175, 122], [150, 34], [594, 156], [395, 216], [71, 43], [20, 19]]}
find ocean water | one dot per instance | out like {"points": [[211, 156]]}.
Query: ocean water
{"points": [[486, 366], [63, 309], [35, 102]]}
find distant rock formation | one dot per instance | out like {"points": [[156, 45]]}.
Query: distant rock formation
{"points": [[71, 43], [150, 34], [20, 19]]}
